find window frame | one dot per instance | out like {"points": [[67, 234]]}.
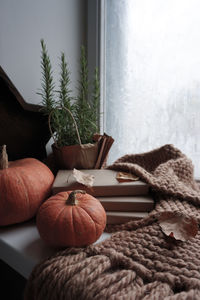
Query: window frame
{"points": [[96, 48]]}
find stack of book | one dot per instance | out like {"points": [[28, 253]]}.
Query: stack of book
{"points": [[122, 201]]}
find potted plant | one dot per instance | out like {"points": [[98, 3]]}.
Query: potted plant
{"points": [[73, 121]]}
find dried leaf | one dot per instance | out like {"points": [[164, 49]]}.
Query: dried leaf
{"points": [[126, 177], [178, 226], [83, 178]]}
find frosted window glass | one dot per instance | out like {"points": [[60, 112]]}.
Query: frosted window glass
{"points": [[153, 76]]}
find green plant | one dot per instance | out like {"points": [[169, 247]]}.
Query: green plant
{"points": [[62, 108], [87, 106]]}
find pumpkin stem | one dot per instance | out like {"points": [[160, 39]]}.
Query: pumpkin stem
{"points": [[71, 200], [3, 158]]}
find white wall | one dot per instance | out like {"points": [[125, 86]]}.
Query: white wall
{"points": [[23, 23]]}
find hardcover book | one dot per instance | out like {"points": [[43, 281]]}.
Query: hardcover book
{"points": [[105, 184], [123, 217], [128, 203]]}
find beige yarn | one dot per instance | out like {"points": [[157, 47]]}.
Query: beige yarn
{"points": [[139, 261]]}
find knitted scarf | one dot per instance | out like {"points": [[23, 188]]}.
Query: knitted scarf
{"points": [[138, 261]]}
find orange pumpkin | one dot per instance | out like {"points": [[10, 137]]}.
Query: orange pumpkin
{"points": [[24, 185], [71, 219]]}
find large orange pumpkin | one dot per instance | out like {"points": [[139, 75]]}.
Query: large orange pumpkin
{"points": [[71, 219], [24, 185]]}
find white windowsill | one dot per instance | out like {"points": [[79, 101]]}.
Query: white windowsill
{"points": [[22, 248]]}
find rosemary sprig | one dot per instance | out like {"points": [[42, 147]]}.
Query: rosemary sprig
{"points": [[48, 86], [57, 102]]}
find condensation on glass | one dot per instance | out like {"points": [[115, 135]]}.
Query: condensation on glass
{"points": [[153, 76]]}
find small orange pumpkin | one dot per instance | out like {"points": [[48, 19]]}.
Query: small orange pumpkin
{"points": [[24, 185], [71, 219]]}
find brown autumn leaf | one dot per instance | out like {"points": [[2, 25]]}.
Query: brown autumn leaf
{"points": [[83, 178], [178, 226], [126, 177]]}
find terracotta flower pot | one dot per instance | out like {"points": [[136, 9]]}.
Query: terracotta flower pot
{"points": [[82, 156], [76, 156]]}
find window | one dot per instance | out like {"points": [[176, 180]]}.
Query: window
{"points": [[152, 75]]}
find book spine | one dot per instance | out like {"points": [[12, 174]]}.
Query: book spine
{"points": [[120, 218], [127, 206], [136, 190]]}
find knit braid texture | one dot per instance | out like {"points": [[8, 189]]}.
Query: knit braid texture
{"points": [[138, 261]]}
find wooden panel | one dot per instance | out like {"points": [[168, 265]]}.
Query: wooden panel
{"points": [[23, 127]]}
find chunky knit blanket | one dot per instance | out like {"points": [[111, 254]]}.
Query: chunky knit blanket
{"points": [[138, 261]]}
